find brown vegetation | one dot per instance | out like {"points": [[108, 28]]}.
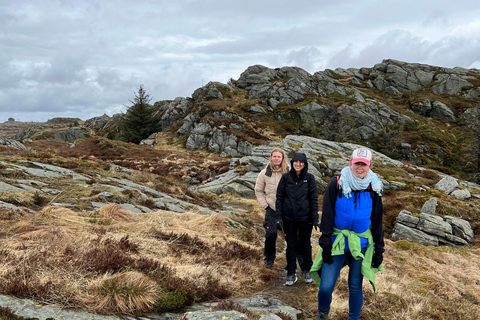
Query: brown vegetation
{"points": [[125, 262]]}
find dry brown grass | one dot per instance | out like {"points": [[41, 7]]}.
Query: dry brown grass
{"points": [[59, 256], [114, 212], [114, 261], [125, 293]]}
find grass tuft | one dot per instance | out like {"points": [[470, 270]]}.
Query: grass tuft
{"points": [[114, 212], [123, 293]]}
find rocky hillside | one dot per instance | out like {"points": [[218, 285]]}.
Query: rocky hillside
{"points": [[9, 129], [183, 194], [423, 114]]}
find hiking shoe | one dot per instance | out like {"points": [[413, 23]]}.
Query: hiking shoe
{"points": [[269, 264], [322, 316], [291, 279], [307, 277]]}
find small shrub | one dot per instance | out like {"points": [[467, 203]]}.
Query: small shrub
{"points": [[235, 250], [172, 300], [207, 287], [23, 282], [106, 256], [182, 243]]}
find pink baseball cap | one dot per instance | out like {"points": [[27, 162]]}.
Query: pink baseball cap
{"points": [[362, 155]]}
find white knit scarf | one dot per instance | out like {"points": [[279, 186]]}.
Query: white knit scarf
{"points": [[349, 182]]}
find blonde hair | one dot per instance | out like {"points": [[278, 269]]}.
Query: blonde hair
{"points": [[284, 165]]}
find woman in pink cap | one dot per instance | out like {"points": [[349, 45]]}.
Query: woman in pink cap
{"points": [[352, 233]]}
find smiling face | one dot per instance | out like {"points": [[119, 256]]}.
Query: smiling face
{"points": [[276, 158], [359, 169], [298, 166]]}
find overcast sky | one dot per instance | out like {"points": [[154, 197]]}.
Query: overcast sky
{"points": [[84, 58]]}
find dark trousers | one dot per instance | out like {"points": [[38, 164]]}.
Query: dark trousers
{"points": [[270, 235], [298, 236]]}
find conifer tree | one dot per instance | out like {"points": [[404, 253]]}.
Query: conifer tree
{"points": [[139, 121]]}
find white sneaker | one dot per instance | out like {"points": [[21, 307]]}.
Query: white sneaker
{"points": [[307, 277], [291, 279]]}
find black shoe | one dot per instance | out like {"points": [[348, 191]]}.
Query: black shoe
{"points": [[269, 264]]}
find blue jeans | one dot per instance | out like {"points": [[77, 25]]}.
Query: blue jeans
{"points": [[329, 276]]}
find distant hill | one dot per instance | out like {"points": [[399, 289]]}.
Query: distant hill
{"points": [[9, 129]]}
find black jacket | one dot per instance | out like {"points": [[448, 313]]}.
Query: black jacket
{"points": [[297, 198], [328, 217]]}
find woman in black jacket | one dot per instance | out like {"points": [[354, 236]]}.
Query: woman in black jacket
{"points": [[297, 207]]}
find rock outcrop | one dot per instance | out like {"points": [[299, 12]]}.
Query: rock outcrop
{"points": [[12, 143], [427, 228], [326, 159], [70, 135], [37, 170]]}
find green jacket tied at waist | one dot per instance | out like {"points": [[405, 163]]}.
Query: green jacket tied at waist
{"points": [[338, 248]]}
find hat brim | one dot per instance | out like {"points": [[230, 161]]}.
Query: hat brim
{"points": [[361, 160]]}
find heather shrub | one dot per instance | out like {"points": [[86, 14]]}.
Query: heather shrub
{"points": [[173, 300]]}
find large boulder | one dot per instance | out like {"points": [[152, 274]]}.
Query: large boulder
{"points": [[12, 143], [446, 185], [430, 229], [72, 134], [403, 232]]}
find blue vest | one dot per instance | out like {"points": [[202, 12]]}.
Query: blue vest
{"points": [[353, 214]]}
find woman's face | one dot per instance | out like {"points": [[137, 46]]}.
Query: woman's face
{"points": [[276, 158], [298, 166], [359, 169]]}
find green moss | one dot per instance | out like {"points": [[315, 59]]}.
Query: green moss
{"points": [[336, 76], [172, 300]]}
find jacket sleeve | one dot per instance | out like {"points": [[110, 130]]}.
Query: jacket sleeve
{"points": [[313, 198], [260, 190], [280, 199], [328, 213], [377, 223]]}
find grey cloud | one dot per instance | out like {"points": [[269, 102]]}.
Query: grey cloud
{"points": [[85, 57], [304, 58], [402, 45]]}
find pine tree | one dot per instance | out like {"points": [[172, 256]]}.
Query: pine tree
{"points": [[139, 121]]}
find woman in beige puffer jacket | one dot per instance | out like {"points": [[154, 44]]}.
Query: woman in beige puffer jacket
{"points": [[265, 191]]}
